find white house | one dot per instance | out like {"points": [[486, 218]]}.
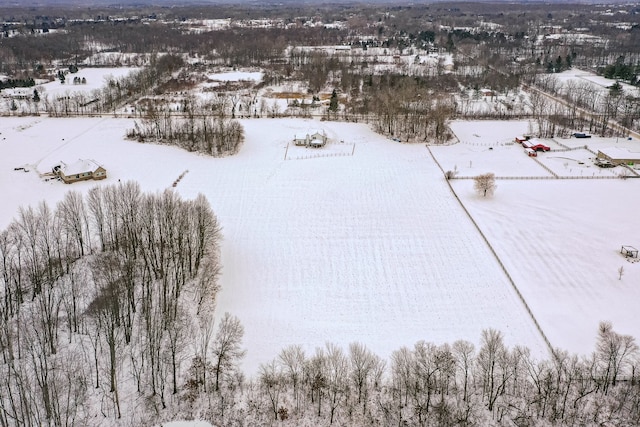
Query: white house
{"points": [[315, 139]]}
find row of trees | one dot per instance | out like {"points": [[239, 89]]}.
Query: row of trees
{"points": [[578, 106], [435, 385], [194, 129], [105, 290], [111, 295]]}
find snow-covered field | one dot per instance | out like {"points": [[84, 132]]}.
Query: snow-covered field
{"points": [[369, 247], [366, 242], [595, 82], [237, 76], [96, 78], [488, 146], [560, 240]]}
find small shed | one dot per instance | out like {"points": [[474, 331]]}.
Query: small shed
{"points": [[629, 251]]}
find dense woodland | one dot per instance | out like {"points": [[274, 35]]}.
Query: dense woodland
{"points": [[107, 300]]}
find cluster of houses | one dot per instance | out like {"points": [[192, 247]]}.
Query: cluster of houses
{"points": [[81, 170]]}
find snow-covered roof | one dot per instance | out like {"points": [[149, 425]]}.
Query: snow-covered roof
{"points": [[80, 166], [620, 153]]}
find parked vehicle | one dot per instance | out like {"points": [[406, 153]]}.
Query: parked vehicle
{"points": [[581, 135]]}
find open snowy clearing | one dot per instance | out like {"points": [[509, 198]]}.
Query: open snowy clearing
{"points": [[96, 78], [369, 247], [560, 240], [594, 81], [488, 146]]}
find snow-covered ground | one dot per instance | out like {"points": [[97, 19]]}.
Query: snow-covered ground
{"points": [[185, 424], [595, 82], [369, 247], [560, 240], [489, 146], [95, 78], [235, 76], [363, 241]]}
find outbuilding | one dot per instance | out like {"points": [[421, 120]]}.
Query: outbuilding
{"points": [[619, 156], [535, 145]]}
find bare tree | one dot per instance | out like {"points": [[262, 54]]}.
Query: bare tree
{"points": [[293, 360], [613, 351], [227, 349], [365, 372], [272, 382], [337, 381], [485, 184]]}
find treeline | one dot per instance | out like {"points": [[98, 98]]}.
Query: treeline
{"points": [[602, 112], [194, 129], [627, 72], [106, 308], [115, 92], [444, 385], [104, 290], [11, 83]]}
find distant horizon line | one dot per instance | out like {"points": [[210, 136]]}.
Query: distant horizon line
{"points": [[174, 3]]}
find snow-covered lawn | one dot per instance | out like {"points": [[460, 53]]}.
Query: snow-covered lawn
{"points": [[596, 82], [560, 240], [369, 247], [96, 78], [488, 146], [236, 76]]}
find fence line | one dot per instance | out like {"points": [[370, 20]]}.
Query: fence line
{"points": [[495, 255], [315, 156], [565, 148], [545, 167], [550, 177]]}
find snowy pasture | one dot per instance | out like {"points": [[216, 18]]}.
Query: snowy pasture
{"points": [[369, 247], [96, 78], [559, 239], [576, 77], [488, 146], [236, 76]]}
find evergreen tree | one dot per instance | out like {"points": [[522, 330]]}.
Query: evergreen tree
{"points": [[333, 102]]}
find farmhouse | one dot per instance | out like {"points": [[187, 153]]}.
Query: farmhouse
{"points": [[619, 156], [314, 139], [81, 170]]}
